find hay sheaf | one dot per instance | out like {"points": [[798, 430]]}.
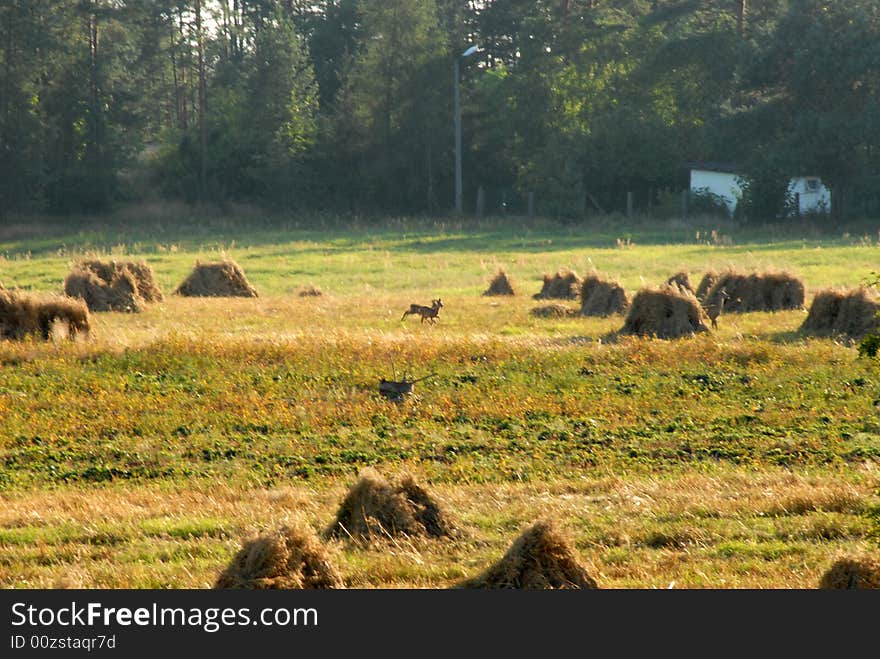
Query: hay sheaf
{"points": [[553, 311], [142, 274], [563, 285], [600, 297], [768, 291], [682, 280], [217, 279], [540, 558], [310, 291], [850, 313], [500, 285], [852, 574], [290, 558], [41, 316], [706, 284], [119, 294], [376, 508], [667, 312]]}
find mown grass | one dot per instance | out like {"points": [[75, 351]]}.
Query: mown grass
{"points": [[141, 458]]}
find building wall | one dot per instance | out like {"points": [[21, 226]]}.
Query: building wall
{"points": [[813, 196], [721, 183]]}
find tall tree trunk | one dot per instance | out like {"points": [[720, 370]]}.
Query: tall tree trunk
{"points": [[184, 86], [97, 118], [203, 125], [173, 52], [741, 12]]}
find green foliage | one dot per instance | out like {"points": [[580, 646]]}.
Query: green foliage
{"points": [[347, 104], [703, 201]]}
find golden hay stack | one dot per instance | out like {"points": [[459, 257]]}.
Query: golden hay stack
{"points": [[142, 273], [682, 280], [768, 291], [600, 297], [553, 311], [667, 312], [24, 314], [113, 285], [561, 286], [217, 279], [852, 574], [289, 558], [540, 558], [706, 284], [376, 508], [500, 285], [850, 313]]}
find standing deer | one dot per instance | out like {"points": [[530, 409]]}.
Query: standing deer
{"points": [[714, 310], [430, 313]]}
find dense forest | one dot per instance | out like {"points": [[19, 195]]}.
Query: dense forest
{"points": [[348, 105]]}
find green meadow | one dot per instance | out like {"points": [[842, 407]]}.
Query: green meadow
{"points": [[142, 457]]}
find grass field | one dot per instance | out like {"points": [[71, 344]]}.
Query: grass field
{"points": [[141, 458]]}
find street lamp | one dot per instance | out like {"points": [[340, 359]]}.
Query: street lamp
{"points": [[470, 51]]}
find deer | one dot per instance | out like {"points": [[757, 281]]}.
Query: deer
{"points": [[714, 310], [430, 313]]}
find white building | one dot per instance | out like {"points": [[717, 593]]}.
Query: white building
{"points": [[723, 180]]}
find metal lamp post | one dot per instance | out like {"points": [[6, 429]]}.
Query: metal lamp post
{"points": [[470, 51]]}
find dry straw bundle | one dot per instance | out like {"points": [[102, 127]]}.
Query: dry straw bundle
{"points": [[553, 311], [540, 558], [290, 558], [24, 314], [113, 285], [563, 285], [706, 284], [217, 279], [768, 291], [852, 574], [375, 508], [500, 285], [600, 297], [667, 312], [850, 313], [310, 291], [682, 280]]}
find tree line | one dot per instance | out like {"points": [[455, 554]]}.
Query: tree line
{"points": [[347, 105]]}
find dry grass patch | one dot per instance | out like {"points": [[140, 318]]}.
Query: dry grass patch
{"points": [[216, 279], [292, 557], [310, 291], [852, 574], [540, 558], [376, 508], [500, 285], [553, 311], [563, 285], [852, 313], [667, 312]]}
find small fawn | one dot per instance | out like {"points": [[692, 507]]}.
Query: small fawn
{"points": [[430, 313], [714, 310]]}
